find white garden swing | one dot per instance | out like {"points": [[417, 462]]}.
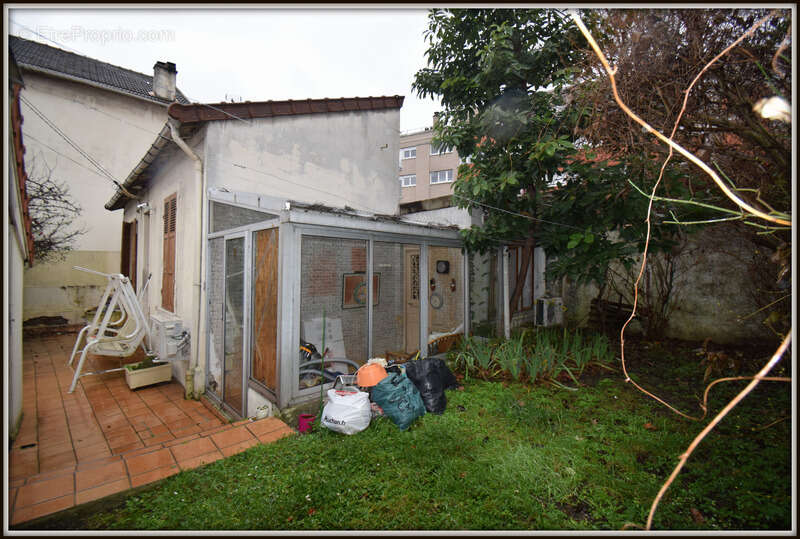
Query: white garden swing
{"points": [[117, 329]]}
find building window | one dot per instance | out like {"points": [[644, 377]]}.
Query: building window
{"points": [[409, 180], [168, 275], [408, 153], [439, 149], [441, 176]]}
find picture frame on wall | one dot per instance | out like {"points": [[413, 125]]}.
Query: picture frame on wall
{"points": [[354, 290]]}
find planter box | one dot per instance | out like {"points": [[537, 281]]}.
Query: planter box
{"points": [[148, 376]]}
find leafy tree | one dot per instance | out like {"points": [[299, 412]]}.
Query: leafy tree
{"points": [[503, 76], [662, 51]]}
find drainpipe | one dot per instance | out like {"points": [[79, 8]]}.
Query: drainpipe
{"points": [[194, 373]]}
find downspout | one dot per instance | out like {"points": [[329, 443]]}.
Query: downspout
{"points": [[194, 373]]}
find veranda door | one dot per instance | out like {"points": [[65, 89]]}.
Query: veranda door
{"points": [[228, 321]]}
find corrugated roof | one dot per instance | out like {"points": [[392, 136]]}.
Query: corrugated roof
{"points": [[35, 55]]}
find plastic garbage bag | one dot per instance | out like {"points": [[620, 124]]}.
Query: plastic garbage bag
{"points": [[347, 412], [431, 377], [399, 399]]}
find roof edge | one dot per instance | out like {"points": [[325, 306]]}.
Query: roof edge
{"points": [[119, 199], [204, 112], [87, 82]]}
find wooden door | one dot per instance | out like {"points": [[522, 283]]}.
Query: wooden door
{"points": [[128, 252], [411, 263]]}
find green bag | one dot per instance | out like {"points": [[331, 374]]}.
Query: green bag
{"points": [[399, 398]]}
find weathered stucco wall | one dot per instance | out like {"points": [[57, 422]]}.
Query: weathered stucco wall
{"points": [[714, 291], [173, 172], [115, 130], [336, 159]]}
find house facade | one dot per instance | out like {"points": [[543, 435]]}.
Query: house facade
{"points": [[19, 250], [78, 110], [268, 225]]}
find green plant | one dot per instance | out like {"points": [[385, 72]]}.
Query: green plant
{"points": [[146, 363]]}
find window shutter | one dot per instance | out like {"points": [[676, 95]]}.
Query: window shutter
{"points": [[168, 278]]}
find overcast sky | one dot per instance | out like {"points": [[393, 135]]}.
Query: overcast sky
{"points": [[252, 54]]}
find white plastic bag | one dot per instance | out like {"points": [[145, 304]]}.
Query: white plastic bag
{"points": [[347, 412]]}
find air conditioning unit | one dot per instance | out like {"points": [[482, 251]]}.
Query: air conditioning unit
{"points": [[549, 311], [166, 334]]}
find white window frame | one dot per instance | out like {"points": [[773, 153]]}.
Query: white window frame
{"points": [[408, 180], [409, 150], [436, 174], [440, 149]]}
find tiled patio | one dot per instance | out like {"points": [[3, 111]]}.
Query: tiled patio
{"points": [[105, 438]]}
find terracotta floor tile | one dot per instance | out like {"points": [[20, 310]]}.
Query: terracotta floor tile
{"points": [[120, 449], [31, 512], [276, 435], [54, 449], [149, 461], [122, 437], [200, 460], [97, 463], [23, 463], [263, 426], [159, 429], [14, 483], [153, 475], [89, 441], [181, 440], [53, 474], [98, 476], [56, 462], [113, 423], [158, 440], [182, 423], [194, 429], [221, 428], [230, 437], [193, 448], [107, 489], [125, 431], [40, 491], [238, 448]]}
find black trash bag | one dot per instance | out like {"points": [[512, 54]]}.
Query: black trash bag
{"points": [[399, 399], [431, 377]]}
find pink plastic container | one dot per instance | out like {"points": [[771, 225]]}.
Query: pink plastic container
{"points": [[305, 422]]}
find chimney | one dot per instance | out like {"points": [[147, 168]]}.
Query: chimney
{"points": [[164, 80]]}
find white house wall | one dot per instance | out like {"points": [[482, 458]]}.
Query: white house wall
{"points": [[173, 172], [337, 159], [115, 130], [13, 266]]}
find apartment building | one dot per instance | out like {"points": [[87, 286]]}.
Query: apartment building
{"points": [[427, 171]]}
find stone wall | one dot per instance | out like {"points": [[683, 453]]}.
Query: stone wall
{"points": [[716, 278]]}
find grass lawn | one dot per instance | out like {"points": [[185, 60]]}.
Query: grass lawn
{"points": [[503, 456]]}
